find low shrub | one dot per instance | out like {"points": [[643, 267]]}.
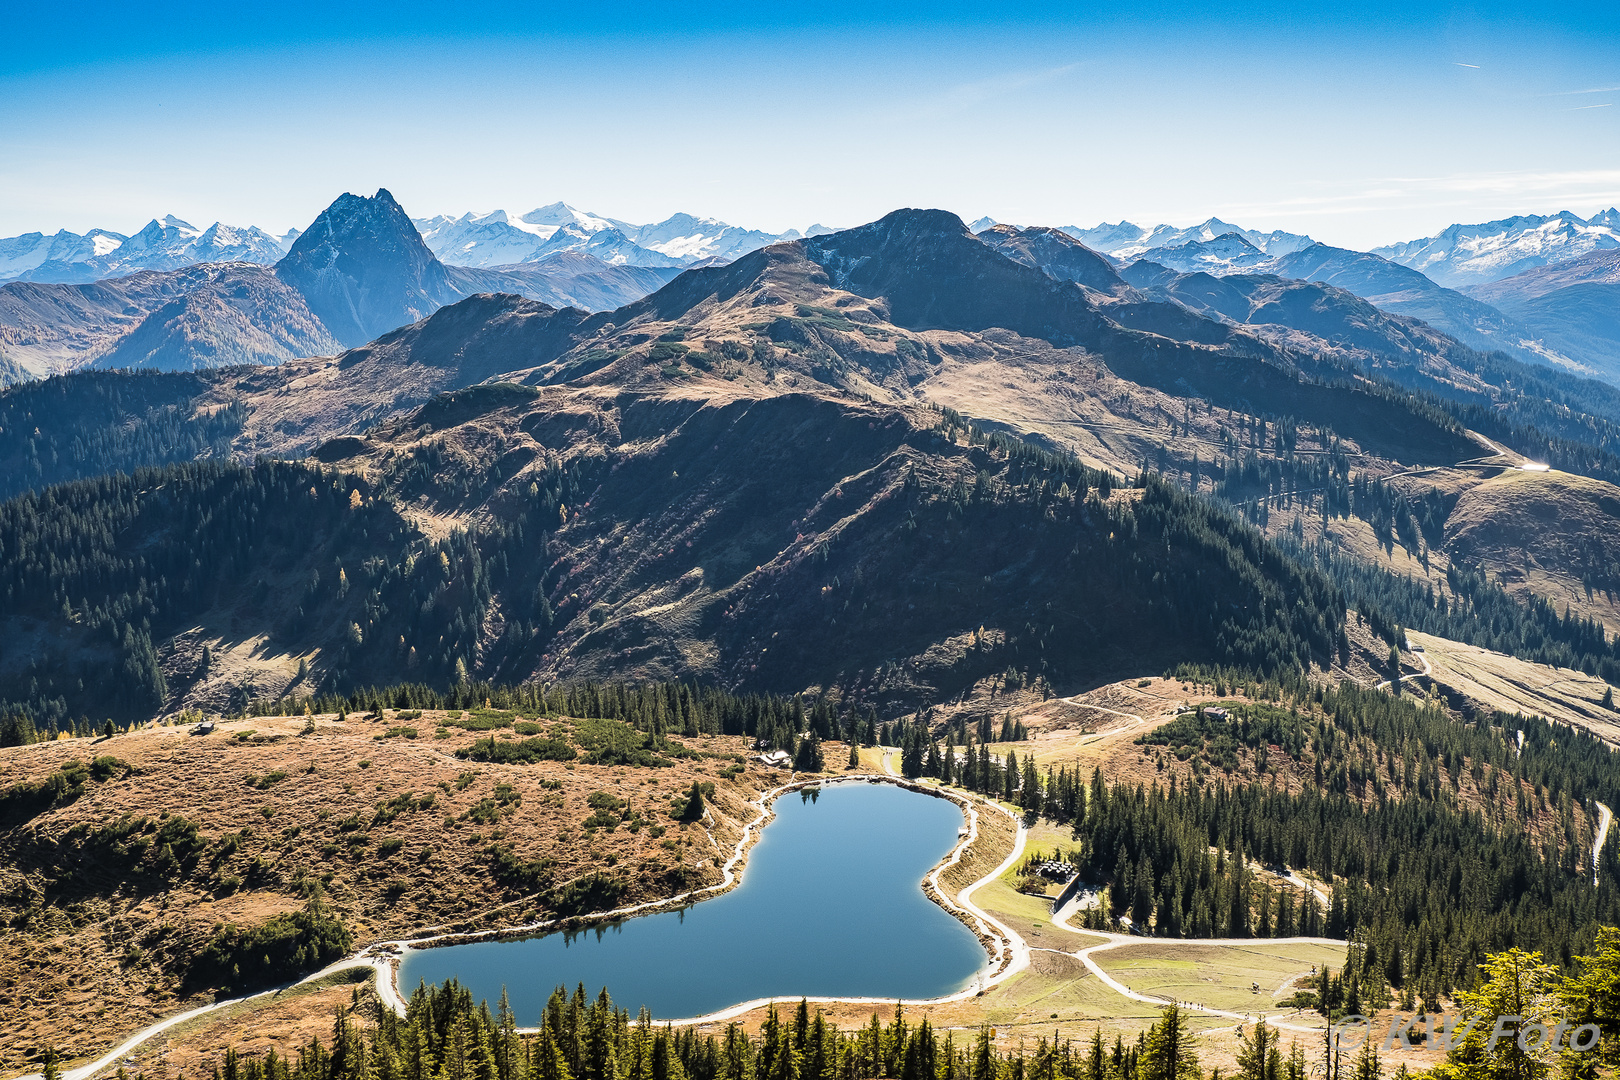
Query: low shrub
{"points": [[521, 752], [279, 950]]}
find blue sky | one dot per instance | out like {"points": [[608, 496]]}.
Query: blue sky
{"points": [[1359, 122]]}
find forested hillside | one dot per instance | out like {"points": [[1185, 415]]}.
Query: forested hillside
{"points": [[1012, 558], [1439, 841], [77, 426]]}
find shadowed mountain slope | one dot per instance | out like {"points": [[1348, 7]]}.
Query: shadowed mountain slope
{"points": [[776, 543], [363, 269]]}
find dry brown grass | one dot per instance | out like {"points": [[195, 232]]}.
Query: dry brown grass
{"points": [[88, 961], [1492, 680]]}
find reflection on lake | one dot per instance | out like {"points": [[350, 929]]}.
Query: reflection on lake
{"points": [[830, 905]]}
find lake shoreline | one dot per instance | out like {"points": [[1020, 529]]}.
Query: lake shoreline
{"points": [[1004, 949]]}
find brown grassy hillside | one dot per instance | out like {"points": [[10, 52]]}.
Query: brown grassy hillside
{"points": [[392, 830]]}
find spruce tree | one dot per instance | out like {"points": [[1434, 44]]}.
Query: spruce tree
{"points": [[1255, 1051], [1167, 1052], [693, 811]]}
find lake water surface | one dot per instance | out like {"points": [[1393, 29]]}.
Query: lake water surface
{"points": [[830, 905]]}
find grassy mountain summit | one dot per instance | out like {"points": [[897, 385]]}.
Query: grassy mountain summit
{"points": [[739, 478]]}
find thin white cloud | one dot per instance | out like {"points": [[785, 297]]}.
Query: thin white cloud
{"points": [[1578, 108], [1593, 90], [1459, 63]]}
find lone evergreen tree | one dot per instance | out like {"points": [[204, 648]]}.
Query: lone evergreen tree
{"points": [[1255, 1052], [694, 804]]}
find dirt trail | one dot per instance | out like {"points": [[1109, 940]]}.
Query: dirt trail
{"points": [[1427, 671], [1136, 721], [1124, 941]]}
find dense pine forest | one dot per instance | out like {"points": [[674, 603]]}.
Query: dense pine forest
{"points": [[75, 426], [445, 1034], [322, 558], [1417, 822]]}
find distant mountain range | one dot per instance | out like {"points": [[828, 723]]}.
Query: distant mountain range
{"points": [[1457, 257], [477, 240], [1127, 241], [166, 244], [360, 270], [1544, 289], [1464, 255], [499, 238], [1389, 285]]}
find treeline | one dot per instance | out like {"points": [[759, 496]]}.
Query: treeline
{"points": [[1216, 579], [1570, 422], [1469, 608], [776, 721], [121, 561], [1028, 460], [445, 1034], [669, 707], [1416, 822]]}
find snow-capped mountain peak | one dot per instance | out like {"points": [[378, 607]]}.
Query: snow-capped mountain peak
{"points": [[1128, 241], [558, 214], [499, 238], [102, 242], [1461, 255], [1226, 253], [165, 243]]}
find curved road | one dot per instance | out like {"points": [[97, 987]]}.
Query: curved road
{"points": [[1115, 941], [1427, 671]]}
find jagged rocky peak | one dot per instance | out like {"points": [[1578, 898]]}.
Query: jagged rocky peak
{"points": [[364, 269]]}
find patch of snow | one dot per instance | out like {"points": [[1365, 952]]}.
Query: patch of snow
{"points": [[1492, 250], [1126, 240]]}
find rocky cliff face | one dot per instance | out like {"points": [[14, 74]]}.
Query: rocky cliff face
{"points": [[364, 270]]}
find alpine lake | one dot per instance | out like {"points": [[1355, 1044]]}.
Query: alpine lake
{"points": [[830, 905]]}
